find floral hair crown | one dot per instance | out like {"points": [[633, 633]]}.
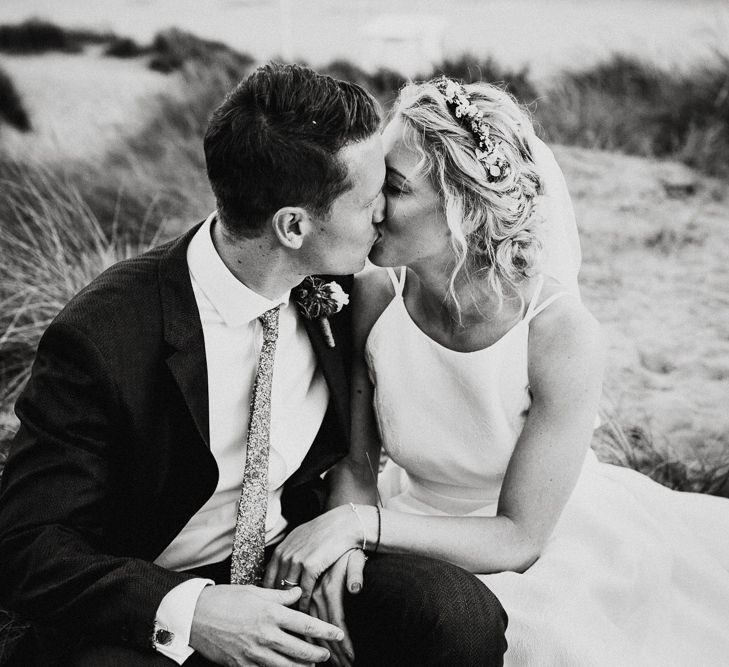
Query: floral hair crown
{"points": [[488, 151]]}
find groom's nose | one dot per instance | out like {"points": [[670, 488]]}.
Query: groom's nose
{"points": [[378, 213]]}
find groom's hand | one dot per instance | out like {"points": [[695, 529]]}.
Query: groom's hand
{"points": [[327, 601], [247, 625]]}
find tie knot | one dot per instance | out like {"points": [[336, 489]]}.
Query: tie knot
{"points": [[269, 320]]}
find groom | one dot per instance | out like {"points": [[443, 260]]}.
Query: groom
{"points": [[154, 439]]}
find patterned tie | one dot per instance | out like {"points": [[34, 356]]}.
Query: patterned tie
{"points": [[246, 566]]}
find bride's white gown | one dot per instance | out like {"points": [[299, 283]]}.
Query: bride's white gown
{"points": [[634, 573]]}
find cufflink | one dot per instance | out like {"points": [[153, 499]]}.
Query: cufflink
{"points": [[162, 636]]}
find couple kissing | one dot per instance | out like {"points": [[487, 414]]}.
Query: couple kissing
{"points": [[196, 479]]}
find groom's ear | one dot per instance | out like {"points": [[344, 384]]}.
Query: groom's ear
{"points": [[290, 225]]}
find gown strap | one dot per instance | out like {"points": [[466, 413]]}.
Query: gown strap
{"points": [[533, 309], [397, 282], [533, 303]]}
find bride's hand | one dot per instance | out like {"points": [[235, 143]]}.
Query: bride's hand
{"points": [[310, 549], [327, 601]]}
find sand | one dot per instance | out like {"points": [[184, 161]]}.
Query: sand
{"points": [[655, 238]]}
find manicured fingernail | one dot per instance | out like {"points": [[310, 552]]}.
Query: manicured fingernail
{"points": [[340, 636], [356, 587]]}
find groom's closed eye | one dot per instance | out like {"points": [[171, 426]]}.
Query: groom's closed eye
{"points": [[373, 200]]}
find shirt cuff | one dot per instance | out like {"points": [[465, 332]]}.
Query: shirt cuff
{"points": [[174, 619]]}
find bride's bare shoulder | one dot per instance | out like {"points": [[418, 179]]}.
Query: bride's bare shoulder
{"points": [[564, 330]]}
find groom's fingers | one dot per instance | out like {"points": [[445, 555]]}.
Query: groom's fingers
{"points": [[298, 650], [307, 626], [320, 601], [308, 582], [332, 647], [355, 570], [269, 578], [333, 596]]}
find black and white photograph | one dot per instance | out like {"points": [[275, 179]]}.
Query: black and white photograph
{"points": [[364, 333]]}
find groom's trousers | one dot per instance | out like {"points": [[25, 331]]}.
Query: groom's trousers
{"points": [[411, 611], [424, 612]]}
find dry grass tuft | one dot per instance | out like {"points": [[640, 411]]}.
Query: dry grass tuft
{"points": [[635, 447], [636, 107], [173, 49], [52, 245]]}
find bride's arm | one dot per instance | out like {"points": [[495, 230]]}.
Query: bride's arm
{"points": [[354, 478], [565, 374]]}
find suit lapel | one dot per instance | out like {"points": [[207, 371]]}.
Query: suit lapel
{"points": [[183, 332], [332, 366], [332, 441]]}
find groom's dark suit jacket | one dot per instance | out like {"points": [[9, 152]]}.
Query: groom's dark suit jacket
{"points": [[112, 457]]}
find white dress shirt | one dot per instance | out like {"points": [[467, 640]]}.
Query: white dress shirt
{"points": [[233, 336]]}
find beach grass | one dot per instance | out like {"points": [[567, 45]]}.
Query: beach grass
{"points": [[632, 106], [53, 245], [64, 224], [635, 446], [174, 49]]}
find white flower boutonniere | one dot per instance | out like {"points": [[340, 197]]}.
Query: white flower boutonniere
{"points": [[318, 300]]}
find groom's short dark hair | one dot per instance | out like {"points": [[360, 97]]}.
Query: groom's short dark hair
{"points": [[274, 141]]}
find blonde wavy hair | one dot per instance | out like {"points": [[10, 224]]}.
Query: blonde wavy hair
{"points": [[491, 224]]}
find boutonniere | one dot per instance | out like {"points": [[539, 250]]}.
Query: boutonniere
{"points": [[318, 300]]}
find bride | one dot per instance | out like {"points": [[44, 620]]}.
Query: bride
{"points": [[484, 371]]}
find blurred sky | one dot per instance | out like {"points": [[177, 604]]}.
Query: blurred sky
{"points": [[547, 35]]}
